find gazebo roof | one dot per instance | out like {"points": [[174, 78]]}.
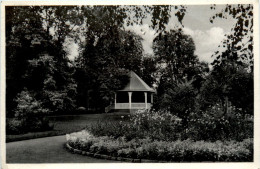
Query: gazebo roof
{"points": [[136, 84]]}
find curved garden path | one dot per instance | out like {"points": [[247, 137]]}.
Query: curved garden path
{"points": [[45, 150]]}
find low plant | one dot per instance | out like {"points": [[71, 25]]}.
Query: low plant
{"points": [[143, 123], [214, 124], [177, 151]]}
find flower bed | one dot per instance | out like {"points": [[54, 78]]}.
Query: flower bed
{"points": [[139, 125], [175, 151]]}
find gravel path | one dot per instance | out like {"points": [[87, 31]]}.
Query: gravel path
{"points": [[45, 150]]}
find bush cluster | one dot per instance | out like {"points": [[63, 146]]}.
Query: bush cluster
{"points": [[29, 116], [158, 125], [186, 150], [210, 125], [216, 124]]}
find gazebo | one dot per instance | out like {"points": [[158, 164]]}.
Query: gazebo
{"points": [[135, 95]]}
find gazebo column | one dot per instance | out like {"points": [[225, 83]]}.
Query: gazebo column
{"points": [[115, 100], [130, 99], [151, 97], [145, 97]]}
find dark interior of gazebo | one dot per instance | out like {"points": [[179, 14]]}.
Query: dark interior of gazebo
{"points": [[137, 97]]}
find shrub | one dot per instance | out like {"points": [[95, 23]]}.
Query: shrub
{"points": [[158, 125], [108, 128], [13, 126], [186, 150], [213, 124], [29, 115], [141, 124], [176, 97]]}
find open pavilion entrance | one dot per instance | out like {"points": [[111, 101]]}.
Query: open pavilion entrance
{"points": [[133, 100], [136, 95]]}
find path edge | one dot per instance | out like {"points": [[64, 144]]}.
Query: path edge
{"points": [[107, 157]]}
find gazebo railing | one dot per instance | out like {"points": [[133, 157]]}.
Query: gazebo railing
{"points": [[127, 106], [133, 106]]}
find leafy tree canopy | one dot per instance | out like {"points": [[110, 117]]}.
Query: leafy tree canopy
{"points": [[238, 45]]}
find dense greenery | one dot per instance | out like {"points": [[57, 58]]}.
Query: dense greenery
{"points": [[107, 52], [35, 59], [209, 125], [142, 124], [215, 124], [41, 79], [29, 115]]}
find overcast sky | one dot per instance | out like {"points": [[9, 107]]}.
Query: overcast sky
{"points": [[207, 36]]}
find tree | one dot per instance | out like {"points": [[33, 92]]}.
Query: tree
{"points": [[181, 74], [34, 30], [149, 70], [108, 55], [232, 73], [238, 44], [228, 83], [22, 27], [28, 37], [56, 94], [175, 54], [178, 98]]}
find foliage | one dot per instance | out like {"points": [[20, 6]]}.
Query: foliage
{"points": [[121, 51], [26, 103], [230, 81], [35, 37], [149, 70], [54, 94], [162, 150], [109, 128], [177, 98], [141, 124], [14, 126], [215, 124], [99, 30], [238, 44], [181, 73], [211, 124], [18, 41], [175, 54], [62, 125], [109, 52], [158, 125], [28, 37], [29, 115]]}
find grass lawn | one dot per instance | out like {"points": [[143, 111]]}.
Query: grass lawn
{"points": [[67, 124]]}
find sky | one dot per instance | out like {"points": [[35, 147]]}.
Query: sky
{"points": [[207, 36]]}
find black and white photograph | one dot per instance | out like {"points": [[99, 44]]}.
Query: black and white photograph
{"points": [[145, 83]]}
